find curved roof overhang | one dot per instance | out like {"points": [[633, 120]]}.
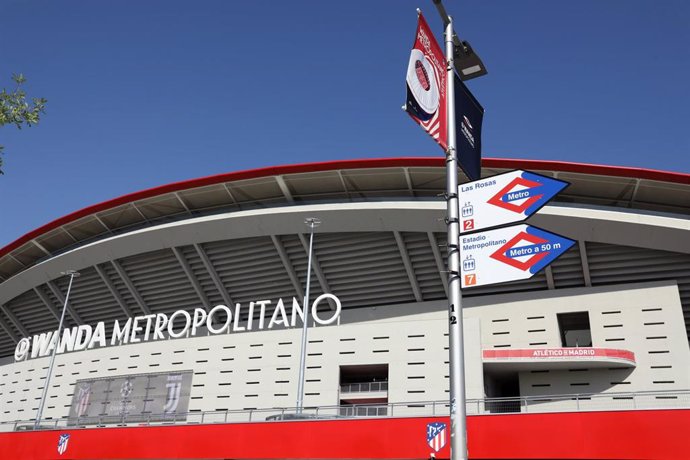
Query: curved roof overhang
{"points": [[349, 180], [579, 223]]}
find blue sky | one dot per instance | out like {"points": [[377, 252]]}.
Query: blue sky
{"points": [[145, 93]]}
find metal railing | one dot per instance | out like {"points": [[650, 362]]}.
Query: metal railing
{"points": [[366, 387], [362, 410], [533, 404]]}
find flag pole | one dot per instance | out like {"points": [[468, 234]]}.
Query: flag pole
{"points": [[458, 425]]}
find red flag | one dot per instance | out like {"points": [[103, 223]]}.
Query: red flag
{"points": [[426, 85]]}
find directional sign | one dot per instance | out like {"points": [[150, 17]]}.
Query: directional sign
{"points": [[508, 254], [504, 199]]}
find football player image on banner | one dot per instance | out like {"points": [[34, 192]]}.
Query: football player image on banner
{"points": [[426, 85], [83, 397], [172, 399], [136, 397]]}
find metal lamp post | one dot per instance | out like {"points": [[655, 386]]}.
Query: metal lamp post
{"points": [[470, 66], [458, 425], [72, 274], [312, 223]]}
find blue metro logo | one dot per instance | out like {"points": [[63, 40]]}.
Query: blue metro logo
{"points": [[532, 250], [527, 194]]}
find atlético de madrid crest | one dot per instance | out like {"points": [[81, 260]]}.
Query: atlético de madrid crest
{"points": [[62, 443], [436, 435]]}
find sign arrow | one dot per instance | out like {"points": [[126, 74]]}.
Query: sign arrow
{"points": [[508, 254], [505, 199]]}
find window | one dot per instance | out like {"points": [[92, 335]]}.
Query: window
{"points": [[365, 384], [575, 330]]}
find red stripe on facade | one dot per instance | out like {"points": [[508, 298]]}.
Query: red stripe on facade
{"points": [[649, 434]]}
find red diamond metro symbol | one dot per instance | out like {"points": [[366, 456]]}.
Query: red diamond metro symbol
{"points": [[518, 208], [500, 255]]}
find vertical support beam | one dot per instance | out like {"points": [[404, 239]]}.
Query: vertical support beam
{"points": [[344, 184], [139, 211], [288, 266], [46, 301], [408, 180], [184, 205], [58, 295], [22, 330], [69, 234], [585, 263], [100, 221], [40, 246], [130, 287], [408, 266], [190, 276], [325, 287], [549, 277], [633, 197], [8, 331], [214, 275], [230, 194], [285, 189], [439, 260], [11, 256], [111, 287]]}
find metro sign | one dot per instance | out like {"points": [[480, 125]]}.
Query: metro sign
{"points": [[521, 190], [508, 254], [504, 199], [540, 250]]}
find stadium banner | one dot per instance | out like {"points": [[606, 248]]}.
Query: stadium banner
{"points": [[426, 85], [133, 398], [469, 115], [426, 101]]}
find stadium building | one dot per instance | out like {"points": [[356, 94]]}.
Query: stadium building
{"points": [[182, 332]]}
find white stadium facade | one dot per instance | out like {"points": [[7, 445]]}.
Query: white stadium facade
{"points": [[182, 332]]}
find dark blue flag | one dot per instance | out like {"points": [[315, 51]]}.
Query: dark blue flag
{"points": [[468, 130]]}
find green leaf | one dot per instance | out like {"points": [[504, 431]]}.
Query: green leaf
{"points": [[16, 110]]}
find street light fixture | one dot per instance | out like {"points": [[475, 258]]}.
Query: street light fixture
{"points": [[72, 274], [312, 223], [468, 63]]}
